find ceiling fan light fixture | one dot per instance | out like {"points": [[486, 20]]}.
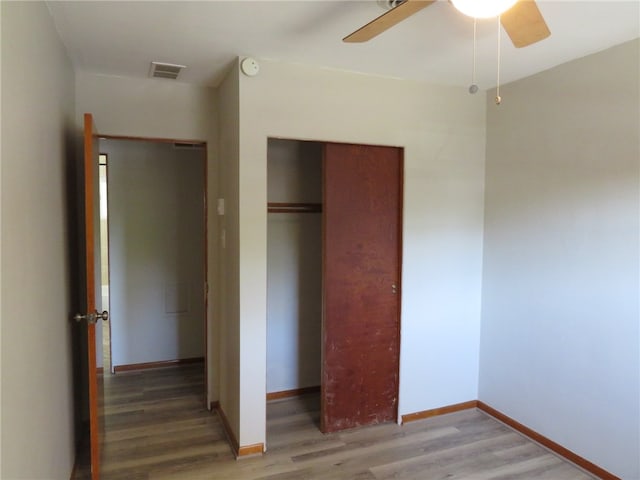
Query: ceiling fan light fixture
{"points": [[483, 8]]}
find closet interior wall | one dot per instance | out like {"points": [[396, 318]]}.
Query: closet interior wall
{"points": [[294, 264]]}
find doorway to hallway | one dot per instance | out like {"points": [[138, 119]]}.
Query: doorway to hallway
{"points": [[153, 233]]}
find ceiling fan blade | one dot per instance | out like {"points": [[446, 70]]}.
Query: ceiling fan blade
{"points": [[524, 24], [387, 20]]}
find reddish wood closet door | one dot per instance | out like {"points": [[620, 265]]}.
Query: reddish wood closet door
{"points": [[361, 215]]}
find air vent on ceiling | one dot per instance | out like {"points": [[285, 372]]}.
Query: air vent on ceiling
{"points": [[165, 70]]}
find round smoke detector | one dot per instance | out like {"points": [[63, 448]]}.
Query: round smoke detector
{"points": [[389, 4], [250, 67]]}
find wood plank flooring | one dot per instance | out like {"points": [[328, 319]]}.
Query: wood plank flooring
{"points": [[156, 428]]}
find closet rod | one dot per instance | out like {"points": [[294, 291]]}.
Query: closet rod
{"points": [[284, 207]]}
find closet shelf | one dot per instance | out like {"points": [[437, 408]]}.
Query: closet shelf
{"points": [[285, 207]]}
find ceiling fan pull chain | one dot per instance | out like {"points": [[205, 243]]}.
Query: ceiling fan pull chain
{"points": [[498, 98], [473, 88]]}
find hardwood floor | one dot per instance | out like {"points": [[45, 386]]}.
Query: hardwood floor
{"points": [[156, 428]]}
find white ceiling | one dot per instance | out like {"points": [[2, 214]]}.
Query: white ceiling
{"points": [[435, 45]]}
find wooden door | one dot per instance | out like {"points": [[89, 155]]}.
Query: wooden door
{"points": [[90, 294], [361, 285]]}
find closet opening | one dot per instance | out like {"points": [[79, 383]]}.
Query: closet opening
{"points": [[334, 248], [294, 276]]}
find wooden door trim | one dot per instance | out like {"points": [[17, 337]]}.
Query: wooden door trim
{"points": [[89, 139], [205, 253]]}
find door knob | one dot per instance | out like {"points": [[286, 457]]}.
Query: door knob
{"points": [[92, 317], [394, 288]]}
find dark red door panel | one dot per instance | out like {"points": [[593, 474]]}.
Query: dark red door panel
{"points": [[362, 239]]}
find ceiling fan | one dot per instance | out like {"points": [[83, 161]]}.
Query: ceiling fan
{"points": [[521, 19]]}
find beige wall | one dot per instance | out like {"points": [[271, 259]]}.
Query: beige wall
{"points": [[147, 107], [38, 130], [158, 108], [560, 349], [229, 328], [443, 135]]}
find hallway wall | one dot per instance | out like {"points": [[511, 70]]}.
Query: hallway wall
{"points": [[156, 251]]}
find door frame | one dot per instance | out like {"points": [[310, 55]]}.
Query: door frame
{"points": [[90, 181], [205, 287]]}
